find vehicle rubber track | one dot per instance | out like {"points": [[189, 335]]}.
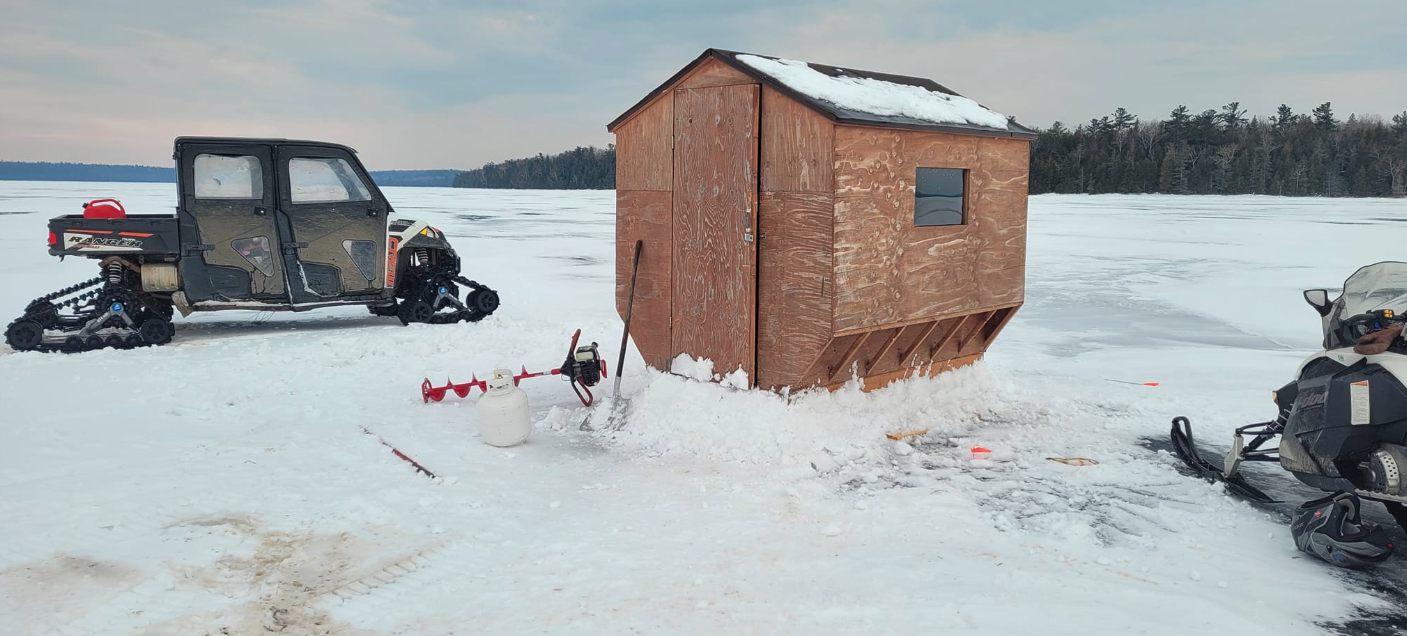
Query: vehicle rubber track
{"points": [[435, 299], [107, 314]]}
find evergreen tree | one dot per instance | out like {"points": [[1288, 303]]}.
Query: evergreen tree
{"points": [[1324, 118], [1177, 122], [1225, 152], [1123, 119], [1232, 117], [1204, 127], [1284, 117]]}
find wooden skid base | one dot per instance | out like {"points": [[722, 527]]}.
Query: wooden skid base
{"points": [[882, 380]]}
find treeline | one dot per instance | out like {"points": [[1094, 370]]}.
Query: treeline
{"points": [[1212, 152], [582, 168], [1225, 152], [415, 178], [47, 171]]}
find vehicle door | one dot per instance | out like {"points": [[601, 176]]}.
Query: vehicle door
{"points": [[229, 243], [335, 223]]}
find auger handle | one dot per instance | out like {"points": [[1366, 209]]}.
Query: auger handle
{"points": [[629, 309]]}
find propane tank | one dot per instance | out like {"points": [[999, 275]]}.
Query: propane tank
{"points": [[503, 411]]}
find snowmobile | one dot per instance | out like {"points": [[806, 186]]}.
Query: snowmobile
{"points": [[260, 224], [1341, 424]]}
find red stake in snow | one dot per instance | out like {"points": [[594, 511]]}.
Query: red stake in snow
{"points": [[1133, 383], [399, 454]]}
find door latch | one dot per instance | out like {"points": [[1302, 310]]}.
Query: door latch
{"points": [[260, 211], [289, 248], [194, 249], [373, 212]]}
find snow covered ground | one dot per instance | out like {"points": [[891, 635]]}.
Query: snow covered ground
{"points": [[222, 484]]}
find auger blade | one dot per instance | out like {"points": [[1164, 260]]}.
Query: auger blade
{"points": [[429, 392]]}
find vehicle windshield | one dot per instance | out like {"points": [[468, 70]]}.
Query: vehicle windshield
{"points": [[1377, 286]]}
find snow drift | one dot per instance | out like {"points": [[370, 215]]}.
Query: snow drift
{"points": [[877, 97]]}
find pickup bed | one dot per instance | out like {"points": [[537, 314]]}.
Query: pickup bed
{"points": [[142, 234]]}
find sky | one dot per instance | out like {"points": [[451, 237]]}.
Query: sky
{"points": [[419, 84]]}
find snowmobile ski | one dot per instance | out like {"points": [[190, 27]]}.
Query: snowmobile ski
{"points": [[1228, 474]]}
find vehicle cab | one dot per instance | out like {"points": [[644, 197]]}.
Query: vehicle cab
{"points": [[278, 220]]}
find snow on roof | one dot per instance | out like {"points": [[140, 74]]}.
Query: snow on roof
{"points": [[877, 97]]}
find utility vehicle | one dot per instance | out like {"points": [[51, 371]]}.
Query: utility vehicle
{"points": [[262, 224]]}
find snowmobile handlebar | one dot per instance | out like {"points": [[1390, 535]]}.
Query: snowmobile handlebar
{"points": [[1355, 327]]}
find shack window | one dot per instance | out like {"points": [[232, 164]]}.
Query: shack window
{"points": [[940, 196], [325, 181], [228, 177]]}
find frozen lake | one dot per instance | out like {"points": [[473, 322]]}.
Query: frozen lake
{"points": [[223, 483]]}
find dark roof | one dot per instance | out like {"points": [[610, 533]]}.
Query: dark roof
{"points": [[260, 141], [831, 111]]}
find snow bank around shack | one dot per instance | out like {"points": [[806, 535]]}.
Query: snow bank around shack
{"points": [[877, 97], [814, 430]]}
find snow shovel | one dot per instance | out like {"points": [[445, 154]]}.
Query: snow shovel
{"points": [[617, 416]]}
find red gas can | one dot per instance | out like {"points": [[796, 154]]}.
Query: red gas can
{"points": [[104, 209]]}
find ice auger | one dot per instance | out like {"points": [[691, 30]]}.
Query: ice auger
{"points": [[583, 368]]}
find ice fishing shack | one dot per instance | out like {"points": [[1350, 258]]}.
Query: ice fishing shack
{"points": [[810, 223]]}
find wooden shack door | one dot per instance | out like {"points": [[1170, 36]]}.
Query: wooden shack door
{"points": [[715, 221]]}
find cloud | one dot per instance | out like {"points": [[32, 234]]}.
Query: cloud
{"points": [[434, 84], [1258, 53]]}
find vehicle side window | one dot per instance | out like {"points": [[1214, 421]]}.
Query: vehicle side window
{"points": [[255, 249], [228, 177], [320, 180], [363, 255]]}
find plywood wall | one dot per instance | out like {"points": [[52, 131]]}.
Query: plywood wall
{"points": [[713, 73], [794, 285], [644, 178], [644, 149], [644, 215], [890, 273], [644, 210], [798, 146], [795, 271], [715, 225]]}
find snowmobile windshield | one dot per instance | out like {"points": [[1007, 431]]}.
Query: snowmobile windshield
{"points": [[1375, 287]]}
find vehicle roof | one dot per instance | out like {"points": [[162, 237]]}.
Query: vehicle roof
{"points": [[262, 141]]}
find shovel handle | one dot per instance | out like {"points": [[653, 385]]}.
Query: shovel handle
{"points": [[629, 309]]}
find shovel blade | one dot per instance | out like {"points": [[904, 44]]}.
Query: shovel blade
{"points": [[615, 419]]}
